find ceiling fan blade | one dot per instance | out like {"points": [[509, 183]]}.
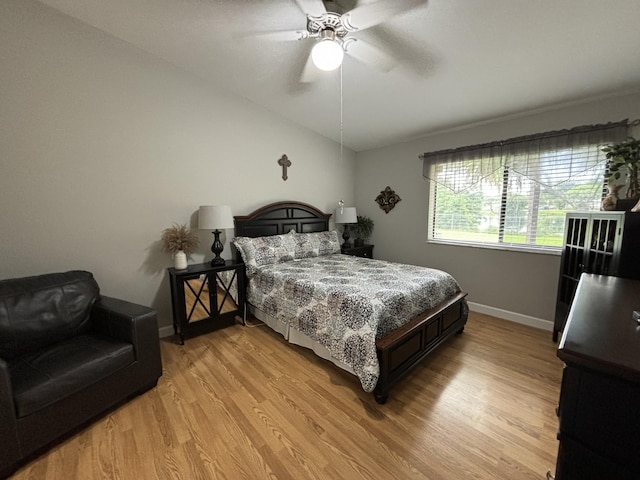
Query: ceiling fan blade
{"points": [[415, 57], [282, 35], [369, 54], [310, 73], [371, 14], [314, 8]]}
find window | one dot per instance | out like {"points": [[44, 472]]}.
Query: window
{"points": [[515, 193]]}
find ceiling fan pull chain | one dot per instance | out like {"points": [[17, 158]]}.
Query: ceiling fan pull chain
{"points": [[341, 122]]}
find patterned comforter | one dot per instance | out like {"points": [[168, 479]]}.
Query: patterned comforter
{"points": [[346, 302]]}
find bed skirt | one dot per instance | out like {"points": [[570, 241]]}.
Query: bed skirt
{"points": [[295, 337]]}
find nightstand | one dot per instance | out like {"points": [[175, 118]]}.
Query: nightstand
{"points": [[206, 297], [365, 251]]}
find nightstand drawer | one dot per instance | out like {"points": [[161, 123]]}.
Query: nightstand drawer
{"points": [[365, 251]]}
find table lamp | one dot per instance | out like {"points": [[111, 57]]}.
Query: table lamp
{"points": [[216, 218], [345, 216]]}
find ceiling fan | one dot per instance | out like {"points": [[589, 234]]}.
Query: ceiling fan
{"points": [[333, 33]]}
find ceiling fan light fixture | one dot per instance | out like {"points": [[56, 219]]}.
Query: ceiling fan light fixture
{"points": [[327, 54]]}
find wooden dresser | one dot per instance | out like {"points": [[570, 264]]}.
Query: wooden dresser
{"points": [[599, 408]]}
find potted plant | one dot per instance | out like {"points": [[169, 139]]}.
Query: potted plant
{"points": [[362, 230], [623, 158], [179, 241]]}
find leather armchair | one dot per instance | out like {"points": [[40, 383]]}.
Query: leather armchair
{"points": [[67, 355]]}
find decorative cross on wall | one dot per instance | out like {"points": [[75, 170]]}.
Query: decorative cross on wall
{"points": [[284, 162]]}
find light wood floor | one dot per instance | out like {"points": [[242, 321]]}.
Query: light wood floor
{"points": [[240, 403]]}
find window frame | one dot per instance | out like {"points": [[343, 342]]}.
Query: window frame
{"points": [[546, 250], [610, 132]]}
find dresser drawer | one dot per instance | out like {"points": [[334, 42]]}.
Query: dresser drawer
{"points": [[602, 413], [576, 462]]}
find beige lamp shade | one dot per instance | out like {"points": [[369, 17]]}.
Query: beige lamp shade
{"points": [[215, 217], [346, 215]]}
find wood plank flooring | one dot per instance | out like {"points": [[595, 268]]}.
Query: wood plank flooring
{"points": [[241, 403]]}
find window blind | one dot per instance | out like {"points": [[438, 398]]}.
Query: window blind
{"points": [[516, 192]]}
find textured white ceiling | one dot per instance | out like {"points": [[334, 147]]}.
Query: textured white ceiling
{"points": [[460, 61]]}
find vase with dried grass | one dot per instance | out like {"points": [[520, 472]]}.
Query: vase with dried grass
{"points": [[179, 241]]}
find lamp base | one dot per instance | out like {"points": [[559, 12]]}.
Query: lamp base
{"points": [[345, 237], [217, 249]]}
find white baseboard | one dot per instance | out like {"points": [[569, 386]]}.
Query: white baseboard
{"points": [[165, 331], [512, 316]]}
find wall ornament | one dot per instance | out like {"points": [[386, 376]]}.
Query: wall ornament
{"points": [[387, 199], [285, 163]]}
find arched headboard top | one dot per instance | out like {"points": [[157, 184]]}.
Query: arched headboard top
{"points": [[281, 217]]}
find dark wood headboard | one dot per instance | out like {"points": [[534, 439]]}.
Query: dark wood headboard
{"points": [[281, 217]]}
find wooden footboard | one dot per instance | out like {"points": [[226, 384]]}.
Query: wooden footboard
{"points": [[401, 350]]}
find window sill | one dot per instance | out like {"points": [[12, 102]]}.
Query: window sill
{"points": [[507, 247]]}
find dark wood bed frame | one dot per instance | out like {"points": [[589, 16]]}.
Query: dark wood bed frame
{"points": [[399, 351]]}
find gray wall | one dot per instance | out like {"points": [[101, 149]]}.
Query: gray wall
{"points": [[518, 286], [103, 146]]}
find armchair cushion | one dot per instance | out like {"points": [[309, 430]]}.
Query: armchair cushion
{"points": [[40, 310], [51, 374]]}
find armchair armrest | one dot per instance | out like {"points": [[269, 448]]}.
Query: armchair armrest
{"points": [[9, 441], [130, 322], [118, 318]]}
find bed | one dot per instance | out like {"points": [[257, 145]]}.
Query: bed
{"points": [[349, 310]]}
